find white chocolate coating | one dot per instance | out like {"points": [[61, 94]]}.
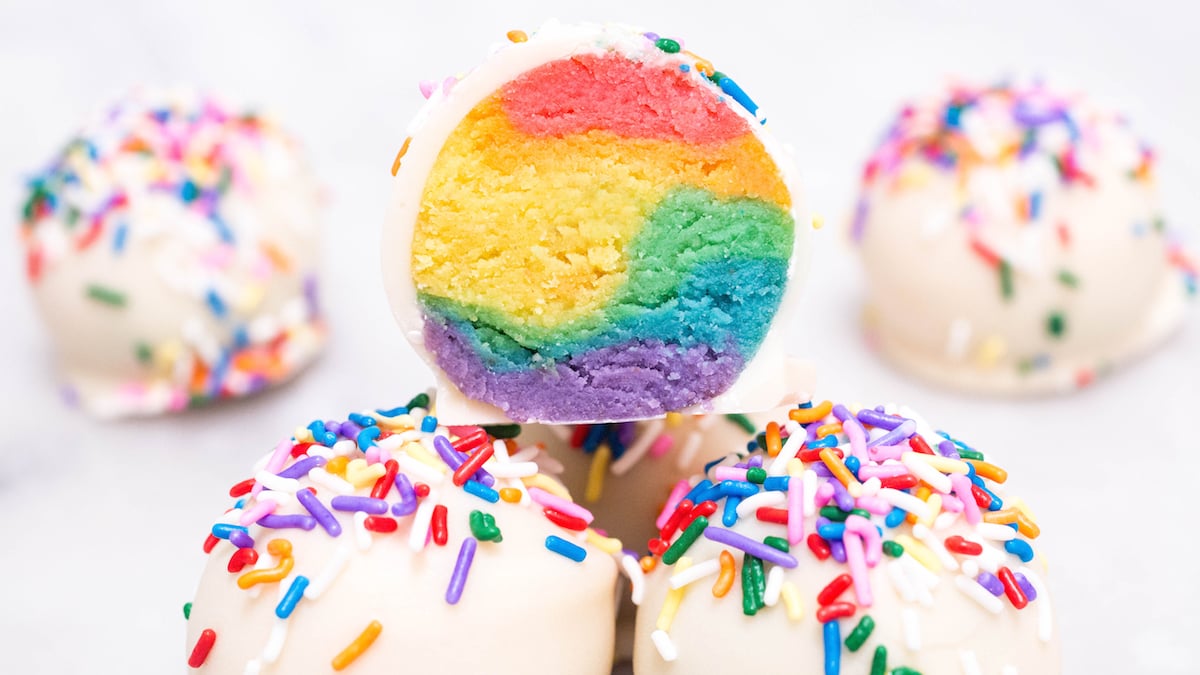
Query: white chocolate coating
{"points": [[251, 244], [761, 386], [936, 306]]}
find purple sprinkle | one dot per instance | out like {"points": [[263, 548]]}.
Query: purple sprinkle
{"points": [[349, 429], [843, 499], [653, 37], [878, 419], [860, 221], [751, 546], [318, 511], [838, 550], [482, 476], [332, 426], [755, 462], [626, 431], [375, 507], [810, 432], [298, 520], [991, 583], [241, 539], [458, 579], [948, 449], [449, 455], [1026, 587], [841, 412], [302, 467], [408, 496], [896, 436], [310, 295]]}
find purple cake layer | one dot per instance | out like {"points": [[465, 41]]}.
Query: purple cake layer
{"points": [[642, 378]]}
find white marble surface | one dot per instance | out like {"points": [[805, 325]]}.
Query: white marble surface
{"points": [[101, 524]]}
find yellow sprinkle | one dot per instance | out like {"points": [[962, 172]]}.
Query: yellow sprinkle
{"points": [[596, 472], [674, 596], [419, 453], [337, 466], [397, 423], [818, 221], [360, 644], [516, 36], [302, 435], [606, 544], [935, 507], [166, 354], [920, 552], [250, 298], [510, 495], [1021, 506], [548, 484], [990, 351], [360, 474], [674, 419], [795, 467], [791, 601], [943, 464]]}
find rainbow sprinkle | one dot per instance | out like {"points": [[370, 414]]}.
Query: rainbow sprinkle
{"points": [[188, 188], [884, 490]]}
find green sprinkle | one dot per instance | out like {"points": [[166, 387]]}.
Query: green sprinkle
{"points": [[1006, 280], [143, 352], [716, 77], [742, 421], [966, 453], [902, 670], [834, 513], [1067, 278], [685, 541], [1056, 324], [893, 549], [419, 401], [1025, 366], [879, 662], [754, 585], [667, 45], [187, 610], [777, 542], [106, 295], [1160, 224], [503, 430], [756, 475], [483, 526], [861, 512], [861, 632]]}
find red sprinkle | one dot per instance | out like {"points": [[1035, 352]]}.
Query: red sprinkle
{"points": [[563, 520], [956, 544], [240, 558], [203, 646], [300, 448], [705, 508], [670, 527], [989, 256], [384, 484], [982, 498], [382, 524], [905, 481], [1012, 589], [579, 435], [810, 455], [818, 546], [838, 610], [918, 444], [210, 543], [656, 546], [472, 464], [438, 525], [421, 490], [768, 514], [834, 588], [469, 438], [242, 488]]}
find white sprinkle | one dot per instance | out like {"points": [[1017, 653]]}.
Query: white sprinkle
{"points": [[696, 572], [923, 470], [995, 531], [319, 451], [945, 521], [922, 533], [270, 480], [337, 562], [664, 645], [972, 589], [810, 492], [906, 502], [900, 582], [419, 470], [957, 340], [970, 662], [270, 653], [637, 578], [329, 481], [991, 558], [756, 501], [253, 667], [280, 498], [391, 443], [691, 446], [1008, 670], [345, 448], [420, 523], [912, 629], [871, 486], [638, 449], [512, 469], [362, 536], [788, 452], [1045, 614], [774, 586], [970, 568], [526, 454]]}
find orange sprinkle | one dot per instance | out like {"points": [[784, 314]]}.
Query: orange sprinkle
{"points": [[648, 563], [838, 468], [337, 465], [510, 495], [703, 65], [516, 36], [988, 470], [810, 415], [725, 579], [827, 429], [280, 548], [774, 444], [278, 258], [360, 644], [400, 155], [1025, 524]]}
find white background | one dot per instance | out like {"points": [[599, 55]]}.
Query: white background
{"points": [[101, 524]]}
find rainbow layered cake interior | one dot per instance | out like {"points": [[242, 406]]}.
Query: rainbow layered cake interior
{"points": [[592, 226]]}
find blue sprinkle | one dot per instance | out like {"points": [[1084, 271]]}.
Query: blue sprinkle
{"points": [[239, 503], [119, 236], [487, 494], [896, 517], [362, 420], [735, 92], [832, 531], [614, 441], [777, 483], [394, 412], [740, 488], [594, 435], [429, 424], [804, 406], [729, 516], [829, 441], [320, 435], [684, 67], [188, 191], [215, 304], [1035, 205], [366, 437], [833, 647], [565, 548], [854, 464], [287, 604], [1019, 548], [241, 338], [223, 530], [223, 230], [700, 487], [708, 467]]}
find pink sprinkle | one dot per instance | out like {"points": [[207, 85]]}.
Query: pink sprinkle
{"points": [[881, 452], [858, 568], [873, 505], [661, 446], [559, 504], [824, 494], [863, 528], [951, 504], [858, 438], [427, 87], [795, 506], [262, 508], [448, 84], [867, 471], [681, 488], [729, 473], [278, 458], [962, 488], [372, 454]]}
